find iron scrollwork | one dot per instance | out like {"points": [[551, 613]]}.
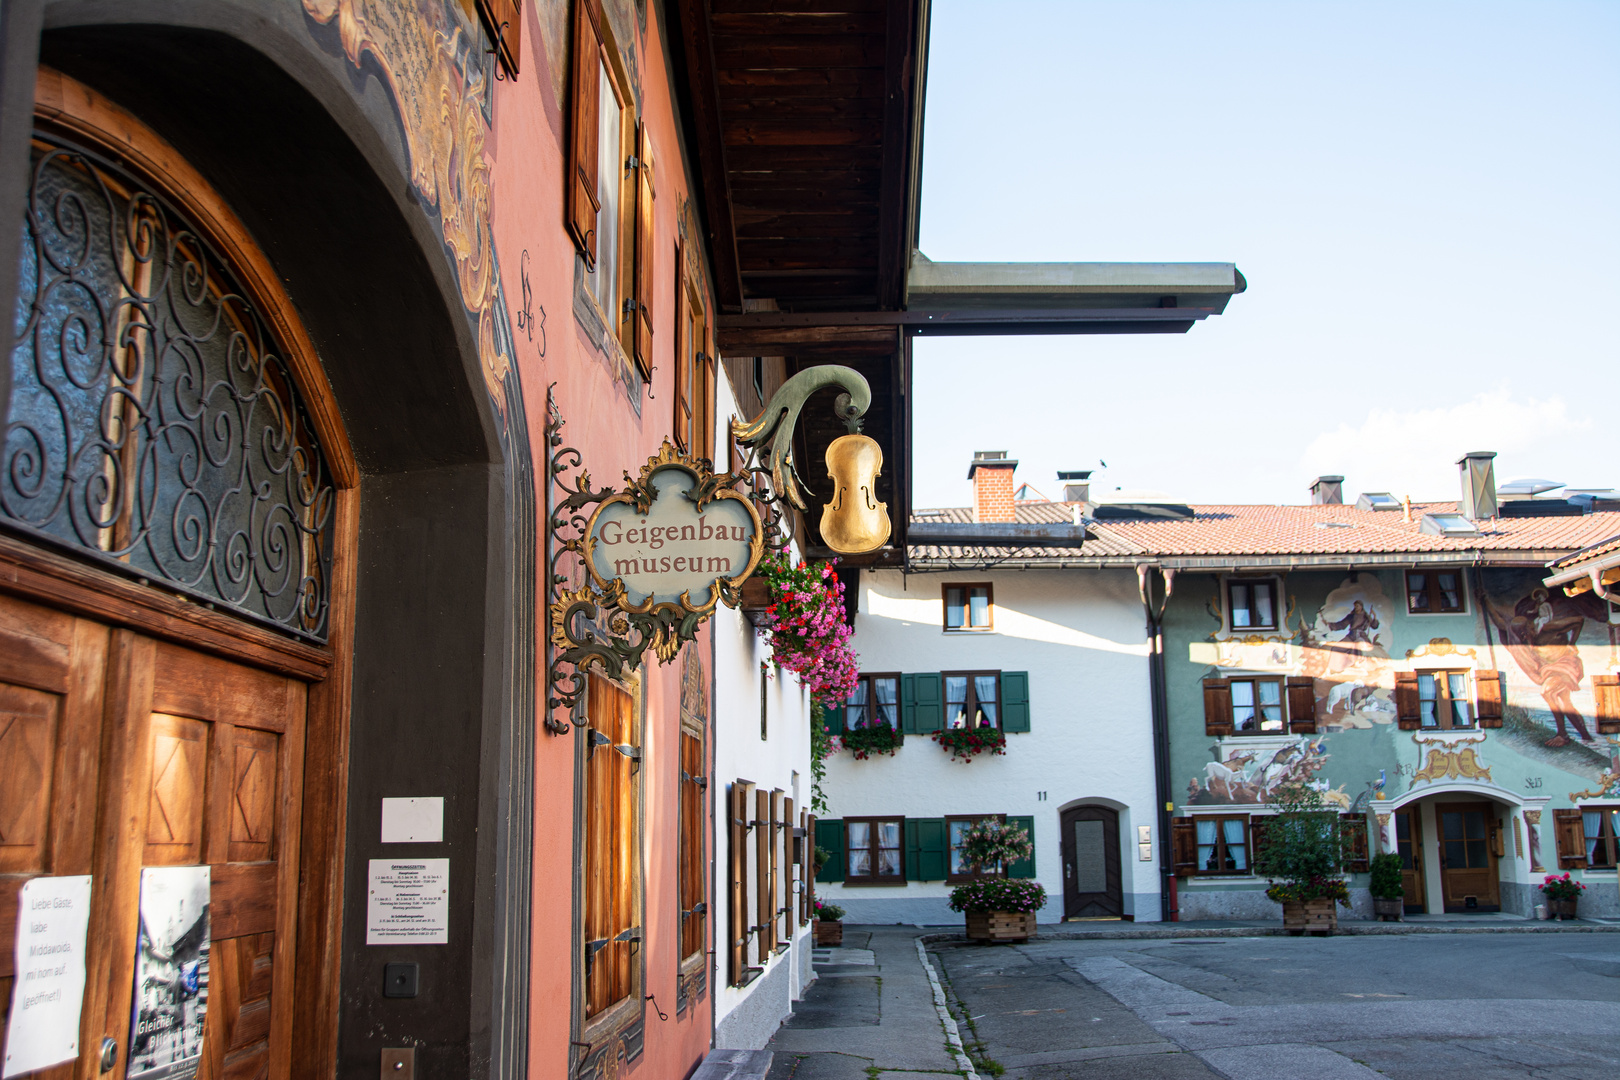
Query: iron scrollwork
{"points": [[154, 425]]}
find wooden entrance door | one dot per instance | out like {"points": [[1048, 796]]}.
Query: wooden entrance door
{"points": [[1091, 877], [120, 752], [1467, 859], [1409, 845]]}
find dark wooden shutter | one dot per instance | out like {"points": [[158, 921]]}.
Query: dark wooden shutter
{"points": [[1355, 827], [1488, 698], [582, 202], [1217, 707], [1571, 839], [737, 872], [704, 383], [1407, 715], [1606, 689], [682, 368], [1183, 845], [921, 710], [764, 877], [807, 859], [926, 849], [1302, 705], [784, 907], [502, 20], [1015, 701], [644, 252], [1023, 867], [1259, 826], [830, 838]]}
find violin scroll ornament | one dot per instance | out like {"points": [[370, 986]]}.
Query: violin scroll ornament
{"points": [[854, 522]]}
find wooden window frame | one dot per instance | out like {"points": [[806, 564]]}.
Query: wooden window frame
{"points": [[1220, 845], [950, 848], [866, 677], [967, 607], [1443, 717], [875, 879], [1433, 596], [1274, 583], [971, 705], [1282, 703], [1608, 841]]}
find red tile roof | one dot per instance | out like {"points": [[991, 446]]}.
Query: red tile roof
{"points": [[1594, 551]]}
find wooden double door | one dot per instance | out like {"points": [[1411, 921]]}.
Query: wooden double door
{"points": [[1468, 838], [1092, 887], [119, 751]]}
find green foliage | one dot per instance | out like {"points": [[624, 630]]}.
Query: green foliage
{"points": [[1386, 876], [868, 739], [968, 743], [1305, 848], [990, 844], [820, 748], [999, 894], [1554, 887], [828, 912]]}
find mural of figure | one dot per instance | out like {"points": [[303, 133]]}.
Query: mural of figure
{"points": [[1357, 642], [1541, 633]]}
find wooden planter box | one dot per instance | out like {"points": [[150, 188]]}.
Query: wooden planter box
{"points": [[1313, 917], [827, 932], [1000, 925], [756, 597], [1389, 910], [1562, 909]]}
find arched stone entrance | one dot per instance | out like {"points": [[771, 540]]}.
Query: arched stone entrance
{"points": [[1465, 848]]}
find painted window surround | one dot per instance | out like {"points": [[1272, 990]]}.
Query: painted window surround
{"points": [[1279, 601]]}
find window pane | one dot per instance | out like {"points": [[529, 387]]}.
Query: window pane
{"points": [[984, 691], [855, 708], [886, 694], [1592, 822], [1264, 615], [954, 609], [1426, 701], [1417, 599], [609, 174], [979, 611], [1457, 684], [1240, 605], [889, 862], [1271, 718], [889, 834], [955, 700], [1450, 592], [1237, 853], [958, 864], [860, 835], [1243, 706], [1206, 845]]}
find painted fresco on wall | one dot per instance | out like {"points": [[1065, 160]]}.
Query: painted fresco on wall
{"points": [[1346, 650], [1250, 775]]}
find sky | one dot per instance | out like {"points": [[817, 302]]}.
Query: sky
{"points": [[1423, 196]]}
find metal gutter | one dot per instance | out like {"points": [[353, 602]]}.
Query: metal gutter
{"points": [[1589, 569], [925, 563], [1159, 703]]}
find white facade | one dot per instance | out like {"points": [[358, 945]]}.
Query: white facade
{"points": [[1080, 635], [773, 752]]}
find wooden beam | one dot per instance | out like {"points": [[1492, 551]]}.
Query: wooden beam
{"points": [[711, 150], [804, 340], [898, 70]]}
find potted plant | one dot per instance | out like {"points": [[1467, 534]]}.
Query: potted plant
{"points": [[997, 908], [826, 924], [1389, 896], [1303, 855], [1563, 895], [872, 737]]}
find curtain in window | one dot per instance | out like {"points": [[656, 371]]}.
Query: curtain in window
{"points": [[1262, 606], [1457, 683], [1592, 822], [1207, 847], [855, 707], [956, 701], [1426, 701], [860, 849], [955, 614], [888, 838], [609, 174], [1449, 592], [1417, 596], [979, 607], [1241, 615], [1270, 705], [984, 689], [1237, 856], [886, 705], [1243, 706]]}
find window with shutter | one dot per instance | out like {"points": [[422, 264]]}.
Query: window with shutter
{"points": [[1023, 868], [874, 700], [642, 331], [502, 18], [874, 851], [1606, 689], [1488, 698], [921, 708], [1217, 707], [1570, 831], [1183, 846], [583, 199], [1355, 828], [1015, 701], [925, 849], [1259, 830], [1601, 827], [612, 866], [1223, 844], [957, 868], [737, 931], [764, 877], [973, 699], [693, 905], [685, 337], [1407, 717], [1301, 705], [830, 838]]}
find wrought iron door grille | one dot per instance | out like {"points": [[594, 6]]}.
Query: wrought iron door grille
{"points": [[153, 424]]}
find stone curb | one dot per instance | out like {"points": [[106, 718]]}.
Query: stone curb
{"points": [[1352, 930], [952, 1036]]}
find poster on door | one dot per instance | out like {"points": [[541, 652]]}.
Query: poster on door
{"points": [[171, 974]]}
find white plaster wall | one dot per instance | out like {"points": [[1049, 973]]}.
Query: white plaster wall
{"points": [[745, 1018], [1081, 637]]}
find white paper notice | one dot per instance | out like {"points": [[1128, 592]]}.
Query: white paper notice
{"points": [[413, 821], [52, 916], [408, 902]]}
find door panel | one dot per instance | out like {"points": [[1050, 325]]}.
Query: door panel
{"points": [[1467, 863], [1091, 870], [1409, 845]]}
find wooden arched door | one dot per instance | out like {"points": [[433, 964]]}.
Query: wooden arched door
{"points": [[1091, 870], [177, 509]]}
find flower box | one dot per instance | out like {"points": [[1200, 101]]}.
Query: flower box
{"points": [[756, 597], [1562, 909], [827, 933], [1310, 916], [1000, 926]]}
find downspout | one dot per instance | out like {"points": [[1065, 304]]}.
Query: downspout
{"points": [[1159, 703]]}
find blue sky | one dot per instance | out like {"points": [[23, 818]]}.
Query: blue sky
{"points": [[1424, 197]]}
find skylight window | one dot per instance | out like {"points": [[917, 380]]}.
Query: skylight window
{"points": [[1448, 525], [1377, 500]]}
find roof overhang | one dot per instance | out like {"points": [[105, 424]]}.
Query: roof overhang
{"points": [[995, 534], [1595, 574]]}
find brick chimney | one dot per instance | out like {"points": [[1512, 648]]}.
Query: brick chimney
{"points": [[1328, 491], [992, 476]]}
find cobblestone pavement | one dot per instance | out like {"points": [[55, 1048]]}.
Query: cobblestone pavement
{"points": [[1420, 1007]]}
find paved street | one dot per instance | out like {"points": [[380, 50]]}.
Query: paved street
{"points": [[1423, 1007]]}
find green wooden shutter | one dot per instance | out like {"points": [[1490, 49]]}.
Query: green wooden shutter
{"points": [[908, 704], [925, 849], [830, 835], [1015, 701], [928, 706], [832, 718], [1024, 867]]}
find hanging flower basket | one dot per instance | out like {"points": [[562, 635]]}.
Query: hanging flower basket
{"points": [[868, 739], [968, 743], [804, 621]]}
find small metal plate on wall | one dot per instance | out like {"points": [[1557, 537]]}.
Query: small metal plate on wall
{"points": [[399, 1063]]}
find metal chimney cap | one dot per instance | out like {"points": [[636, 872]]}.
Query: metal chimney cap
{"points": [[1473, 455]]}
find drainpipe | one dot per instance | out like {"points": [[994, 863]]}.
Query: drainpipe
{"points": [[1159, 702]]}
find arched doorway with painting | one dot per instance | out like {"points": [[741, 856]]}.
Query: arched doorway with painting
{"points": [[1092, 883]]}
